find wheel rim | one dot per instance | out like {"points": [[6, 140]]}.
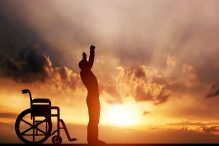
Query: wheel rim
{"points": [[56, 140], [35, 130]]}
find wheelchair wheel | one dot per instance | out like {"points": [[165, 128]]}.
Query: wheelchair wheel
{"points": [[56, 139], [35, 130]]}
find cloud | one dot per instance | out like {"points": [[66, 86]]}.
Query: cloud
{"points": [[162, 97], [183, 79], [141, 83], [210, 129], [170, 61], [26, 66], [114, 101], [31, 65], [135, 43], [213, 91], [156, 65], [141, 95]]}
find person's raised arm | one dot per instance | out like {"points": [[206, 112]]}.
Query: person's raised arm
{"points": [[91, 57]]}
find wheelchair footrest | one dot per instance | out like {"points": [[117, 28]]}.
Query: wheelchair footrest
{"points": [[66, 131], [73, 139]]}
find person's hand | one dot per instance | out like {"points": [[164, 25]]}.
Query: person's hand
{"points": [[92, 47], [84, 56]]}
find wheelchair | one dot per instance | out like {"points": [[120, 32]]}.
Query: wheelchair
{"points": [[34, 125]]}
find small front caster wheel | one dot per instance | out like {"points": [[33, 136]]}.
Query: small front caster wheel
{"points": [[56, 139]]}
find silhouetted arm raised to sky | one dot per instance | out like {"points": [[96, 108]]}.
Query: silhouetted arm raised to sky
{"points": [[91, 57]]}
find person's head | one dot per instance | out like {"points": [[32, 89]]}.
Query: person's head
{"points": [[83, 63]]}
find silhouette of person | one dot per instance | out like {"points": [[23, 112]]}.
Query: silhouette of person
{"points": [[93, 103]]}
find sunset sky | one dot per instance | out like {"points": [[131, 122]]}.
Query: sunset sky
{"points": [[156, 64]]}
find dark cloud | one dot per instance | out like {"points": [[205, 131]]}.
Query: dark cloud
{"points": [[25, 57], [163, 96], [28, 65], [210, 129], [139, 73], [17, 32], [213, 91], [31, 64], [142, 95], [13, 32]]}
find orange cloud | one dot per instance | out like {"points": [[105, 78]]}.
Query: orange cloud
{"points": [[141, 84]]}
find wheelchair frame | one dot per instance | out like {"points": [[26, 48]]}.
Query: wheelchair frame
{"points": [[40, 107]]}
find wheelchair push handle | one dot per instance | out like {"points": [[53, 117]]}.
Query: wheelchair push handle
{"points": [[24, 91]]}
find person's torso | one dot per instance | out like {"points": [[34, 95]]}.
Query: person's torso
{"points": [[90, 82]]}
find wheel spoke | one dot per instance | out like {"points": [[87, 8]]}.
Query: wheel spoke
{"points": [[34, 135], [40, 130], [25, 131], [36, 130], [26, 122], [40, 122]]}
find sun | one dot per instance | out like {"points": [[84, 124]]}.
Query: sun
{"points": [[121, 115]]}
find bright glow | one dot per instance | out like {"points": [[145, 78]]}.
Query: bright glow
{"points": [[121, 115]]}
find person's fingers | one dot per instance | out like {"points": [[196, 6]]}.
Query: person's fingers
{"points": [[92, 47]]}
